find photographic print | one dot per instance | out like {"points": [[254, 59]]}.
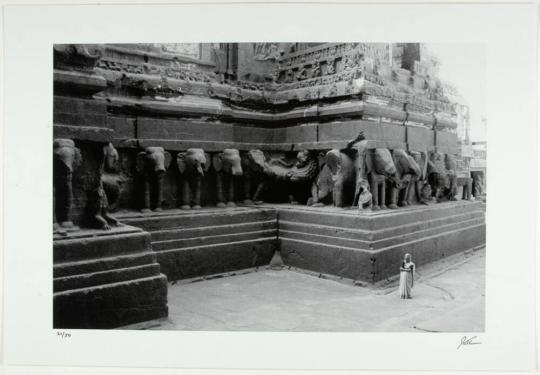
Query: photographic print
{"points": [[271, 186], [278, 186]]}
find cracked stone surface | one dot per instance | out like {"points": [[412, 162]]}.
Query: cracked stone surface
{"points": [[448, 296]]}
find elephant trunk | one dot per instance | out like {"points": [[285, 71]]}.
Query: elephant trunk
{"points": [[236, 171], [200, 170]]}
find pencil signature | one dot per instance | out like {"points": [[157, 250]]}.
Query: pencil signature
{"points": [[468, 341]]}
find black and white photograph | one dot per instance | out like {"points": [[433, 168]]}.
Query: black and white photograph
{"points": [[269, 186], [237, 187]]}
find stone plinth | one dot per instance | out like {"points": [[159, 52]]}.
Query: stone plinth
{"points": [[209, 241], [369, 246], [106, 279], [365, 246]]}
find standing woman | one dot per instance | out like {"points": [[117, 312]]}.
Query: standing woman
{"points": [[406, 277]]}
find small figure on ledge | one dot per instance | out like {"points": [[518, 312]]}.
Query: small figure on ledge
{"points": [[406, 277]]}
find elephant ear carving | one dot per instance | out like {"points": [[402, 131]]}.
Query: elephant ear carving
{"points": [[217, 162], [168, 159], [181, 162], [140, 162]]}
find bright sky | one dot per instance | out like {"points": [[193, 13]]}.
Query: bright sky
{"points": [[464, 65]]}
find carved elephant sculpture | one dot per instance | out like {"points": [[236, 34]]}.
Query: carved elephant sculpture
{"points": [[258, 165], [419, 188], [228, 165], [336, 177], [406, 171], [436, 173], [151, 165], [192, 166], [442, 176], [375, 166], [66, 159]]}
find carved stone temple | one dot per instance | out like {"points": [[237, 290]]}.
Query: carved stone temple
{"points": [[179, 161]]}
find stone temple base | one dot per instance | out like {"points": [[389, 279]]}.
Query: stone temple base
{"points": [[369, 246], [209, 241], [363, 246], [106, 279]]}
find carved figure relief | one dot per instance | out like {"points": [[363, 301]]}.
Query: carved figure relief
{"points": [[151, 164], [112, 180], [192, 166], [99, 209]]}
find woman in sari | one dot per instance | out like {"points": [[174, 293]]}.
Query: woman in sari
{"points": [[406, 277]]}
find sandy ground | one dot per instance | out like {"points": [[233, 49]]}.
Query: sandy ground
{"points": [[448, 296]]}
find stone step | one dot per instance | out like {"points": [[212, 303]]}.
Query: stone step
{"points": [[431, 223], [399, 239], [428, 249], [374, 245], [193, 219], [98, 247], [376, 265], [180, 233], [207, 239], [104, 277], [197, 261], [111, 305], [370, 236], [103, 264], [369, 220], [324, 239]]}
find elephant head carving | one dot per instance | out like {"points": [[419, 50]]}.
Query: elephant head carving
{"points": [[227, 164], [151, 164], [336, 177], [193, 161], [66, 159], [405, 163], [257, 161], [192, 165], [153, 160]]}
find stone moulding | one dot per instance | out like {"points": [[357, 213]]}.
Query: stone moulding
{"points": [[106, 279], [346, 244]]}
